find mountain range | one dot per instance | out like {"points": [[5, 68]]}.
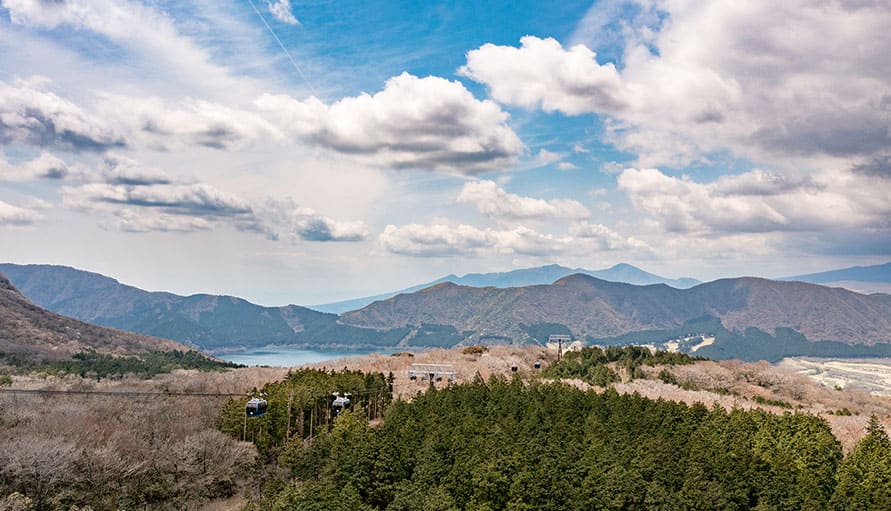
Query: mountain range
{"points": [[518, 278], [748, 316], [594, 308], [29, 332]]}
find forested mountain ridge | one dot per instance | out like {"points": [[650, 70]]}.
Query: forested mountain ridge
{"points": [[590, 307], [31, 333]]}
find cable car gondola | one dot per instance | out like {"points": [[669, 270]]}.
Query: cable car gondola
{"points": [[255, 407], [340, 404]]}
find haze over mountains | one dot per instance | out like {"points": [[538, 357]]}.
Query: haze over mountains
{"points": [[517, 278], [32, 333], [769, 318]]}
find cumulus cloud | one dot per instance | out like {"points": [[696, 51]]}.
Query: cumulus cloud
{"points": [[31, 114], [443, 239], [758, 202], [15, 216], [311, 226], [164, 124], [279, 218], [493, 201], [45, 166], [684, 91], [541, 74], [420, 123], [282, 12]]}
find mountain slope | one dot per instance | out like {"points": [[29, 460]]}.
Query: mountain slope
{"points": [[519, 278], [206, 321], [591, 307], [30, 332]]}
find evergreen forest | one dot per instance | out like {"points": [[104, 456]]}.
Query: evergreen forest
{"points": [[518, 445]]}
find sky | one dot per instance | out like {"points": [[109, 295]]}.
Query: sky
{"points": [[304, 152]]}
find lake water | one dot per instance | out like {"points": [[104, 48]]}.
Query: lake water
{"points": [[287, 357]]}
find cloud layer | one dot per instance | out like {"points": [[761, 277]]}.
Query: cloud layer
{"points": [[698, 81], [441, 240], [758, 202]]}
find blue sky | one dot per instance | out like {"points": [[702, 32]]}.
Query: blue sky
{"points": [[176, 145]]}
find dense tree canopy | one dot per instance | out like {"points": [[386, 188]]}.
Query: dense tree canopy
{"points": [[509, 444]]}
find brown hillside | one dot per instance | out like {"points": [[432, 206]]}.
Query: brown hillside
{"points": [[33, 333]]}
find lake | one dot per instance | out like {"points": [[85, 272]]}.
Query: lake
{"points": [[288, 357]]}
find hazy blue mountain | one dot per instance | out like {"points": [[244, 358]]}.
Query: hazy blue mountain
{"points": [[518, 278], [206, 321], [877, 273]]}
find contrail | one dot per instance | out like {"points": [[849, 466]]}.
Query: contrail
{"points": [[282, 46]]}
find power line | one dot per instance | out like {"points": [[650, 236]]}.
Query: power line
{"points": [[120, 393], [282, 46], [126, 393]]}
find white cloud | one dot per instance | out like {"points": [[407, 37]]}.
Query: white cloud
{"points": [[434, 240], [31, 114], [541, 74], [120, 170], [493, 201], [606, 238], [694, 80], [758, 202], [183, 199], [45, 166], [15, 216], [565, 165], [163, 124], [282, 12], [311, 226], [421, 123]]}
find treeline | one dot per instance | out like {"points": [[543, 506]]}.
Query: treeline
{"points": [[590, 364], [90, 364], [299, 407], [513, 445]]}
